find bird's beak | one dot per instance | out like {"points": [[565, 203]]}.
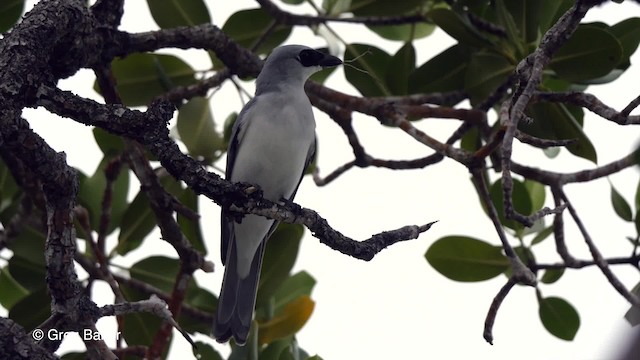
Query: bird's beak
{"points": [[329, 61]]}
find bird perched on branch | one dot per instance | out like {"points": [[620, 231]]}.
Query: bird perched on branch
{"points": [[272, 143]]}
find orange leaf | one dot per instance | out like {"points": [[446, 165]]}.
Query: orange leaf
{"points": [[292, 319]]}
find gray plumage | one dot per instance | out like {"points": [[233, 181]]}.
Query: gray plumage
{"points": [[272, 143]]}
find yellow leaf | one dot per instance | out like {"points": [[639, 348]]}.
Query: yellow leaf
{"points": [[292, 319]]}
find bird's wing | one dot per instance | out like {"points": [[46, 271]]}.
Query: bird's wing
{"points": [[237, 133]]}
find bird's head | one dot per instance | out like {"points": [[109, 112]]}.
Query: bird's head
{"points": [[294, 64]]}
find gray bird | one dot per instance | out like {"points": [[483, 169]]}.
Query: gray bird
{"points": [[272, 143]]}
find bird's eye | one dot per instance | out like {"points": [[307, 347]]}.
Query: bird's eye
{"points": [[309, 57]]}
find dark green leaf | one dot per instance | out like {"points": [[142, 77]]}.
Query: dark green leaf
{"points": [[8, 187], [402, 63], [174, 13], [552, 275], [204, 351], [559, 317], [141, 77], [628, 33], [444, 72], [374, 64], [147, 270], [92, 190], [32, 310], [74, 356], [471, 140], [520, 199], [506, 19], [138, 220], [292, 288], [10, 290], [550, 11], [457, 27], [462, 258], [485, 73], [293, 2], [110, 144], [197, 129], [191, 228], [228, 127], [591, 52], [560, 121], [404, 32], [620, 205], [30, 275], [276, 349], [247, 26], [383, 7], [10, 12], [279, 257]]}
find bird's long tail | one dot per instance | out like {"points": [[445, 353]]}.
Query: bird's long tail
{"points": [[237, 298]]}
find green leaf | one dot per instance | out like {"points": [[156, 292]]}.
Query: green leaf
{"points": [[245, 27], [633, 314], [30, 275], [457, 27], [197, 129], [138, 220], [142, 77], [402, 63], [552, 275], [92, 190], [288, 322], [383, 7], [550, 12], [10, 12], [292, 288], [275, 349], [485, 73], [335, 7], [520, 198], [505, 18], [374, 64], [279, 257], [591, 52], [620, 205], [32, 310], [108, 143], [147, 270], [628, 34], [191, 228], [403, 32], [444, 72], [174, 13], [8, 187], [204, 351], [560, 121], [10, 290], [542, 235], [536, 192], [462, 258], [559, 317], [201, 299]]}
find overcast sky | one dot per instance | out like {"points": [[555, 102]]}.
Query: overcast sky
{"points": [[397, 306]]}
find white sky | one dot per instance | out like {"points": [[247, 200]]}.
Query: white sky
{"points": [[397, 306]]}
